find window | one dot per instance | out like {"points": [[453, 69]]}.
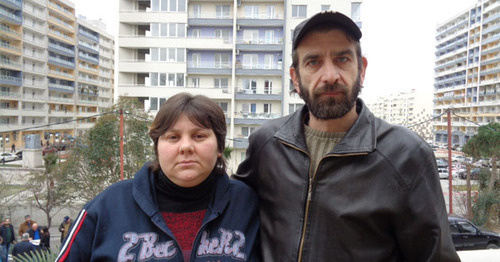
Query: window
{"points": [[250, 36], [196, 60], [299, 11], [221, 82], [223, 105], [223, 33], [162, 100], [195, 33], [195, 82], [356, 12], [163, 5], [267, 108], [325, 7], [253, 108], [153, 103], [252, 11], [293, 107], [246, 131], [196, 11], [467, 227], [268, 87], [271, 12], [249, 86], [250, 61], [221, 60], [269, 61], [222, 11], [269, 37]]}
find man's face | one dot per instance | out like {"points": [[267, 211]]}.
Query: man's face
{"points": [[7, 221], [28, 219], [34, 226], [328, 78]]}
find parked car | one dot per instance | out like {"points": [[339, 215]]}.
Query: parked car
{"points": [[49, 150], [443, 172], [19, 154], [474, 173], [6, 157], [466, 235], [458, 158]]}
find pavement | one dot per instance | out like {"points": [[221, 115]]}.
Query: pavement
{"points": [[485, 255]]}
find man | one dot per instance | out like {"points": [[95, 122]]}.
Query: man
{"points": [[336, 183], [8, 235], [23, 248], [26, 225], [35, 233], [64, 227]]}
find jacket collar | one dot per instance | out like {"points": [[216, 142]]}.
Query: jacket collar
{"points": [[360, 139], [145, 195]]}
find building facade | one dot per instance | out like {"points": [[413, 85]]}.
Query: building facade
{"points": [[467, 72], [237, 52], [410, 109], [56, 71]]}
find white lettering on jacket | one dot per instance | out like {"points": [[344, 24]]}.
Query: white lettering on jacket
{"points": [[227, 244], [149, 249]]}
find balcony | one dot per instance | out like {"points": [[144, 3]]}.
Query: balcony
{"points": [[210, 19], [8, 64], [11, 80], [61, 24], [61, 49], [248, 118], [12, 4], [62, 11], [10, 49], [6, 31], [4, 14], [262, 20], [260, 44], [223, 68], [88, 48], [60, 36], [9, 94], [68, 76], [248, 94], [61, 99], [259, 69], [62, 88], [88, 35], [88, 58], [61, 62]]}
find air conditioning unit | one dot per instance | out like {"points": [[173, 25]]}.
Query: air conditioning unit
{"points": [[238, 27], [237, 52]]}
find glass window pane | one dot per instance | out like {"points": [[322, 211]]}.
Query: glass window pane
{"points": [[173, 29], [180, 55], [181, 30], [182, 6], [171, 54], [155, 27], [163, 79], [155, 5], [180, 79], [153, 103], [163, 54], [173, 5], [163, 5], [154, 54], [171, 79], [164, 28], [153, 77]]}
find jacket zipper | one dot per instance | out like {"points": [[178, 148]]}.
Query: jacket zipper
{"points": [[309, 193]]}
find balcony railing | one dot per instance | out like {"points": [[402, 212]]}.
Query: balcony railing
{"points": [[61, 48], [14, 79], [260, 41], [59, 86], [9, 94], [7, 62], [5, 45], [10, 15]]}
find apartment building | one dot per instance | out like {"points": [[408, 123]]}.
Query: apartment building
{"points": [[54, 69], [412, 109], [467, 72], [237, 52]]}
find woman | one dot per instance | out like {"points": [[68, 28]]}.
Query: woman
{"points": [[180, 207]]}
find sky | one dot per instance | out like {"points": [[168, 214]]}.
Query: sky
{"points": [[398, 39]]}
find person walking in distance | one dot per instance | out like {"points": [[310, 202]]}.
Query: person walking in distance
{"points": [[64, 227], [336, 183]]}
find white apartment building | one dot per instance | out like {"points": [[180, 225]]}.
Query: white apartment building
{"points": [[412, 109], [237, 52], [56, 71], [467, 72]]}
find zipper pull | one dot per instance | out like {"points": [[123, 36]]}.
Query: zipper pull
{"points": [[309, 195]]}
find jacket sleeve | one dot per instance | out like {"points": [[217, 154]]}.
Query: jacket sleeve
{"points": [[246, 171], [78, 243], [423, 231]]}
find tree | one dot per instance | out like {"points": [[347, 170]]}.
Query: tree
{"points": [[50, 190], [486, 144], [94, 162]]}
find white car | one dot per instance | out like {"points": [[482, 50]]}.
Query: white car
{"points": [[6, 157]]}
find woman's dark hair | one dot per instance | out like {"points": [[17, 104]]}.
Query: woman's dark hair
{"points": [[200, 110]]}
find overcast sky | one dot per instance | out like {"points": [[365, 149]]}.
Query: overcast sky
{"points": [[398, 39]]}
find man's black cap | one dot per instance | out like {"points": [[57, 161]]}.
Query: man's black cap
{"points": [[325, 17]]}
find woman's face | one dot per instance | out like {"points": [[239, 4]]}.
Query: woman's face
{"points": [[187, 153]]}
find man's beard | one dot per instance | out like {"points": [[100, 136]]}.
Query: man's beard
{"points": [[330, 107]]}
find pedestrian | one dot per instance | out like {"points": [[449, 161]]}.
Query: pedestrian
{"points": [[64, 227], [8, 237], [45, 239], [336, 183], [180, 207], [23, 249], [35, 233], [13, 148], [26, 225]]}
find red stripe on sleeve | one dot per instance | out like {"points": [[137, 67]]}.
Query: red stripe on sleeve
{"points": [[68, 248]]}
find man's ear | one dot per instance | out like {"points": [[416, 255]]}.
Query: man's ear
{"points": [[295, 79], [363, 73]]}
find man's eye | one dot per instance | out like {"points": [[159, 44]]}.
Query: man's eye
{"points": [[313, 62], [342, 59]]}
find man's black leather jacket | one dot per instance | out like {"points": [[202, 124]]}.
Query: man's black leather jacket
{"points": [[375, 197]]}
